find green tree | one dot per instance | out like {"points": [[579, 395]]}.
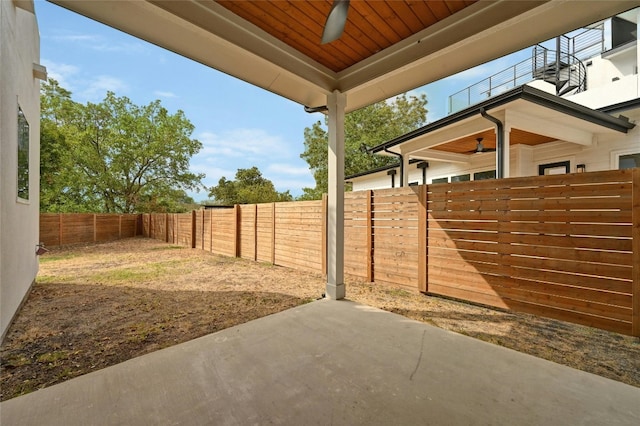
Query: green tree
{"points": [[113, 156], [369, 126], [249, 187]]}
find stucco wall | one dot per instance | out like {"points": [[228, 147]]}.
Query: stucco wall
{"points": [[19, 50]]}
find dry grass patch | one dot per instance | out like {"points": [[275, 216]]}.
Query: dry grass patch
{"points": [[98, 305]]}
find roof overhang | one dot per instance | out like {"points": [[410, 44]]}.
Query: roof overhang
{"points": [[532, 115], [206, 32]]}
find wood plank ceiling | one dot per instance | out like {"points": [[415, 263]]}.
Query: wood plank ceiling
{"points": [[372, 25], [467, 145]]}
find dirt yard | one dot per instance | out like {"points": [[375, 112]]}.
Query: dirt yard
{"points": [[98, 305]]}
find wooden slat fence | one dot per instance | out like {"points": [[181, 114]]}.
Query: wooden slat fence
{"points": [[565, 247], [556, 246], [57, 229]]}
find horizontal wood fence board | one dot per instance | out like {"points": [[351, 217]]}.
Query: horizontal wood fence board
{"points": [[573, 254], [596, 190], [537, 216], [604, 243], [532, 308], [491, 286], [578, 268], [608, 324], [576, 229], [485, 277]]}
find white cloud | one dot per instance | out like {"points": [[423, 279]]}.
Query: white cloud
{"points": [[288, 169], [62, 73], [163, 94], [76, 38], [245, 143], [98, 42], [96, 89]]}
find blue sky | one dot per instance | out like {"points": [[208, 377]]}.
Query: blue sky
{"points": [[239, 125]]}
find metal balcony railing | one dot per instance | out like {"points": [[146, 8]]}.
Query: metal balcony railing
{"points": [[565, 71]]}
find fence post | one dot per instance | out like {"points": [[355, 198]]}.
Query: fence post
{"points": [[95, 228], [255, 232], [273, 233], [236, 230], [202, 233], [211, 230], [324, 234], [370, 237], [635, 247], [59, 228], [166, 227], [423, 234], [119, 226], [193, 229]]}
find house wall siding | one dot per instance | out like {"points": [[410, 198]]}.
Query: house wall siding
{"points": [[19, 50]]}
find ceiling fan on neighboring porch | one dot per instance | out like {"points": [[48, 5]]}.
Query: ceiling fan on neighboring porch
{"points": [[480, 148], [336, 20]]}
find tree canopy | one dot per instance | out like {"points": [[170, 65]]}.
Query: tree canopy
{"points": [[249, 187], [369, 126], [113, 156]]}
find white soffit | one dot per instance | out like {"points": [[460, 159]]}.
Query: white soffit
{"points": [[207, 33]]}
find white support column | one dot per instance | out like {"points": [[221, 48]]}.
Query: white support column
{"points": [[336, 102], [638, 54], [405, 170], [507, 151]]}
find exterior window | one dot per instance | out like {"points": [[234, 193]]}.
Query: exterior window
{"points": [[629, 161], [441, 180], [559, 168], [461, 178], [489, 174], [23, 156]]}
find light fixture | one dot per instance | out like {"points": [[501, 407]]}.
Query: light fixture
{"points": [[41, 249], [581, 168]]}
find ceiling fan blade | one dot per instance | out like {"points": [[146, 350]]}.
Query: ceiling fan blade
{"points": [[336, 20]]}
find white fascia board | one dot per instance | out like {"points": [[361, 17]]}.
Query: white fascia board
{"points": [[482, 32], [210, 34], [449, 157]]}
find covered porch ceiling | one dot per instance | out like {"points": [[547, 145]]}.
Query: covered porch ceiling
{"points": [[388, 47]]}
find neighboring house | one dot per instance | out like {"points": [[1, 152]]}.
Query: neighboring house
{"points": [[20, 77], [566, 113]]}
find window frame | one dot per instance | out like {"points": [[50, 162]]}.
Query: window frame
{"points": [[23, 171]]}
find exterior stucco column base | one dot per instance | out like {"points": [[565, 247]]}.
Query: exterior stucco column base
{"points": [[335, 291]]}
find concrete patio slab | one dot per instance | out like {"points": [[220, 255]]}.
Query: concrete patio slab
{"points": [[331, 362]]}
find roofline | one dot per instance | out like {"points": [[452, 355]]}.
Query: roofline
{"points": [[621, 106], [524, 92], [381, 169]]}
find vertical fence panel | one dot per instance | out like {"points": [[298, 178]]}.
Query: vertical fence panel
{"points": [[50, 229], [395, 229], [264, 231], [298, 235], [358, 235], [224, 233], [248, 231]]}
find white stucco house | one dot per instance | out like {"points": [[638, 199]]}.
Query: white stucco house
{"points": [[565, 113], [20, 75]]}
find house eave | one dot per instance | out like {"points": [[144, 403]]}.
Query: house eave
{"points": [[527, 93]]}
